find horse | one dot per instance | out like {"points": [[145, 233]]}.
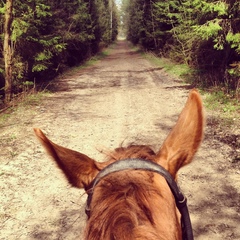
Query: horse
{"points": [[134, 194]]}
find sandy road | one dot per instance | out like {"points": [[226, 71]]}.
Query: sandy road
{"points": [[121, 99]]}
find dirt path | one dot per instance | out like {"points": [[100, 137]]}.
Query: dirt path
{"points": [[121, 98]]}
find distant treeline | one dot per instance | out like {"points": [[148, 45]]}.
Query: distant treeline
{"points": [[204, 34]]}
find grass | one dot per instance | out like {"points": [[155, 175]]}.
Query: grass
{"points": [[93, 60], [176, 70], [27, 100], [34, 99], [21, 112], [90, 62], [4, 117], [224, 106], [99, 56], [21, 104], [222, 101]]}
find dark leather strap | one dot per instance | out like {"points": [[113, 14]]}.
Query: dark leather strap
{"points": [[141, 164]]}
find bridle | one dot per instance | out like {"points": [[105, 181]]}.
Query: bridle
{"points": [[141, 164]]}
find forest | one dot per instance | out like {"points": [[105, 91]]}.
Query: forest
{"points": [[42, 38], [203, 34]]}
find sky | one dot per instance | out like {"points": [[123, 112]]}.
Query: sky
{"points": [[118, 2]]}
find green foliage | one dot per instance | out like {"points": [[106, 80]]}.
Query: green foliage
{"points": [[28, 83], [42, 11], [2, 10], [218, 7], [19, 27], [222, 101], [234, 41], [203, 34], [177, 70], [48, 36], [208, 30]]}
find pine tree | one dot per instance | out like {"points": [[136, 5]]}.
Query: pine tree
{"points": [[7, 49]]}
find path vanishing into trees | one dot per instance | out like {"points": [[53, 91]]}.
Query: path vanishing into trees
{"points": [[121, 99]]}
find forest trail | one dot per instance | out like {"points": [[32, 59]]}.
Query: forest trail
{"points": [[121, 99]]}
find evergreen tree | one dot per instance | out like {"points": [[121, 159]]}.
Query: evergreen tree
{"points": [[46, 36], [7, 48], [204, 34]]}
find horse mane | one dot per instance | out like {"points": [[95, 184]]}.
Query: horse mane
{"points": [[127, 207], [126, 197], [131, 151]]}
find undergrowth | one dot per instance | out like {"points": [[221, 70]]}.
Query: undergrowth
{"points": [[30, 97], [21, 104], [224, 105], [94, 59], [176, 70]]}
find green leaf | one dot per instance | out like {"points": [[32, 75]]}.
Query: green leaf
{"points": [[19, 27], [234, 40], [208, 30], [39, 68], [42, 56], [2, 10]]}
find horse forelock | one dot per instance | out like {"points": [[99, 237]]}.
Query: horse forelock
{"points": [[124, 203], [122, 206], [132, 151]]}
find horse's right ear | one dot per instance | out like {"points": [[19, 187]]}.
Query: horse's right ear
{"points": [[79, 169], [184, 140]]}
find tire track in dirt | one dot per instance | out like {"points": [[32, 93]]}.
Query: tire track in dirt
{"points": [[122, 98]]}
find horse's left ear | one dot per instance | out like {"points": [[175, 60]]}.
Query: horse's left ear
{"points": [[183, 141], [79, 169]]}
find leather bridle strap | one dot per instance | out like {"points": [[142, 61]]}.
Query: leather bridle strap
{"points": [[141, 164]]}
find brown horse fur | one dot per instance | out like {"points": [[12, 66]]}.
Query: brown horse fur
{"points": [[135, 204]]}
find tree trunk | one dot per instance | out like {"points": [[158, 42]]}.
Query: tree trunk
{"points": [[153, 26], [7, 49]]}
